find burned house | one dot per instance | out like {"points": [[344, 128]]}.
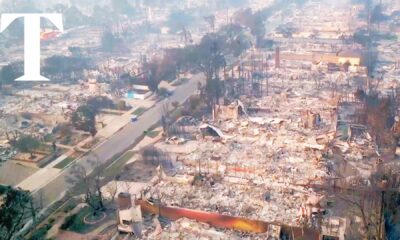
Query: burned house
{"points": [[129, 215], [229, 112], [208, 130], [310, 119]]}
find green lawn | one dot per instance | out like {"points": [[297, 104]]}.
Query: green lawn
{"points": [[64, 163], [69, 205], [116, 168], [152, 134], [75, 222], [139, 111]]}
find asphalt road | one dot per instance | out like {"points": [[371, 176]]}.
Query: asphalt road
{"points": [[122, 140], [116, 144]]}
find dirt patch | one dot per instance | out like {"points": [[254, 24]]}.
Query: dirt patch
{"points": [[138, 171], [73, 139], [92, 143], [36, 157]]}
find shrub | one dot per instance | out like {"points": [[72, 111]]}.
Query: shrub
{"points": [[163, 92], [69, 221], [51, 220], [3, 189], [41, 233], [121, 105], [48, 137], [69, 207]]}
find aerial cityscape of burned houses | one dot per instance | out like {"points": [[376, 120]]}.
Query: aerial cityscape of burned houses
{"points": [[235, 119]]}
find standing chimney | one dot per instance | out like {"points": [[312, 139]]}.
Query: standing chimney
{"points": [[124, 201], [129, 215]]}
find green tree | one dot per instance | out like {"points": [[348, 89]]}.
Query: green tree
{"points": [[62, 68], [236, 41], [84, 118], [153, 80], [210, 59], [27, 144], [208, 55], [100, 102], [255, 21], [165, 69], [17, 207], [91, 185], [9, 73], [121, 105], [213, 90], [108, 41]]}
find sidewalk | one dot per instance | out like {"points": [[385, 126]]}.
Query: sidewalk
{"points": [[38, 179], [44, 175], [114, 142]]}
